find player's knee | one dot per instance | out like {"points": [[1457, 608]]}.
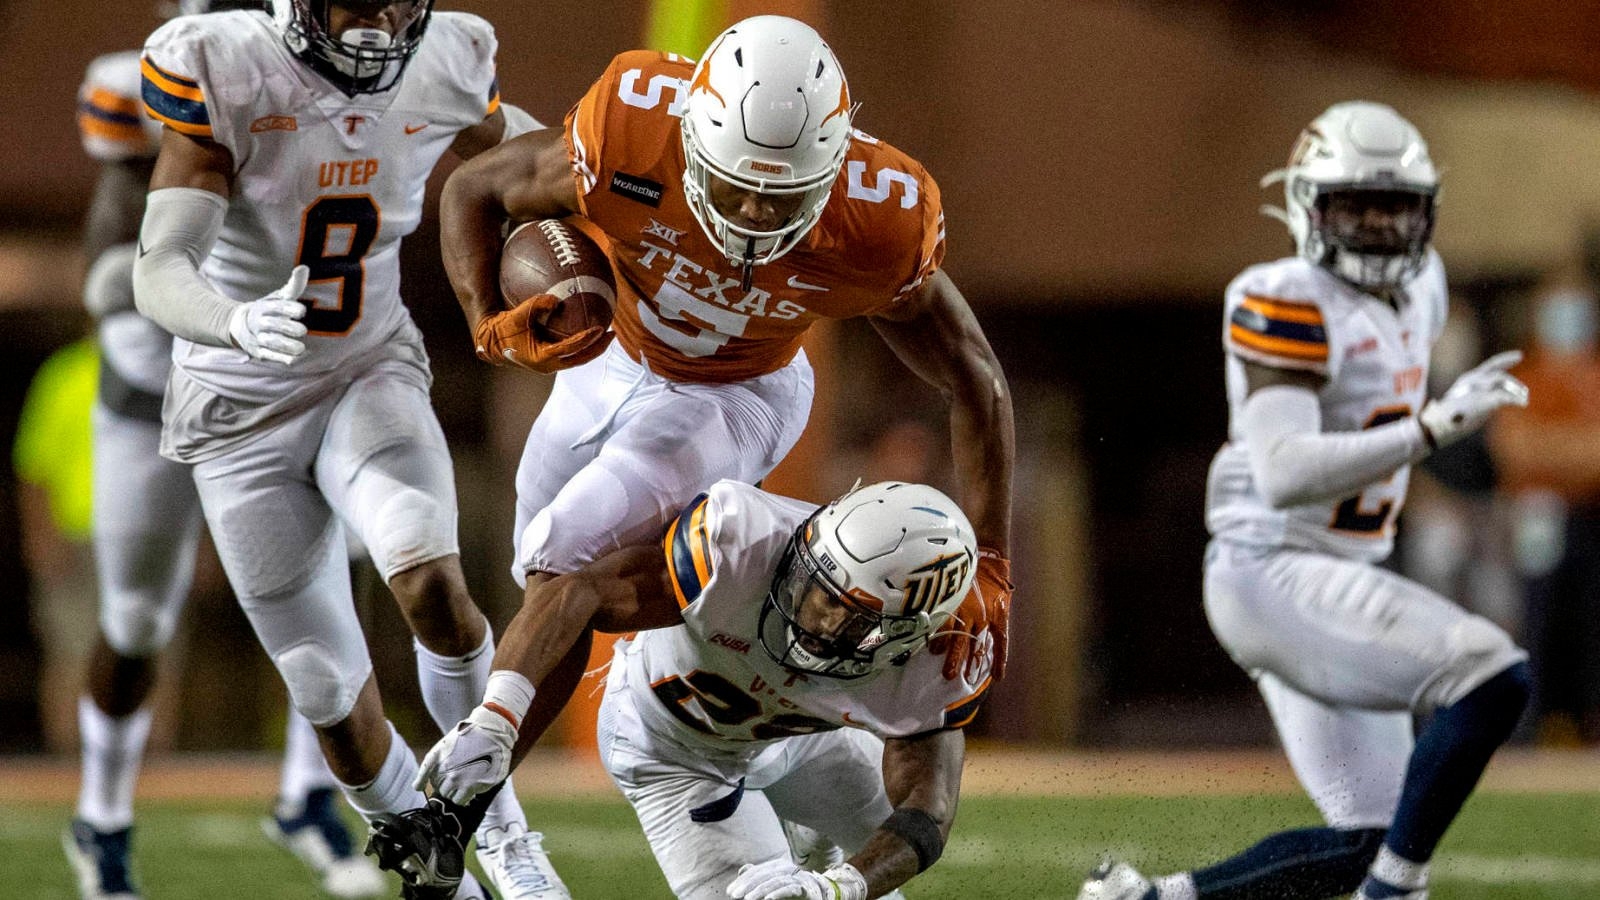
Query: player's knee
{"points": [[416, 527], [321, 689], [1481, 651], [137, 630]]}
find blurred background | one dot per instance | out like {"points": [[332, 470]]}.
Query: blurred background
{"points": [[1099, 162]]}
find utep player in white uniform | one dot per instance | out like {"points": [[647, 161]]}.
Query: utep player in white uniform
{"points": [[796, 684], [1327, 363], [147, 529], [295, 151]]}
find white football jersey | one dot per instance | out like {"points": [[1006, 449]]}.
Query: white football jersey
{"points": [[111, 119], [114, 129], [321, 179], [1291, 314], [712, 681]]}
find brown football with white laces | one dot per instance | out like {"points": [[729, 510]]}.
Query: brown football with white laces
{"points": [[548, 256]]}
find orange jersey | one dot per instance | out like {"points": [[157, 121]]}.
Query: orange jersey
{"points": [[680, 305]]}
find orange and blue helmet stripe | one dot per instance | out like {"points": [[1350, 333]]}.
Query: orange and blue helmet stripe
{"points": [[688, 552], [1280, 328], [175, 101]]}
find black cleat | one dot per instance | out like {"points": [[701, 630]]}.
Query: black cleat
{"points": [[423, 847]]}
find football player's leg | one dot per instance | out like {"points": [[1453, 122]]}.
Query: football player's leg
{"points": [[700, 820], [1351, 762], [833, 784], [284, 554], [394, 484], [306, 821], [1350, 634], [146, 530]]}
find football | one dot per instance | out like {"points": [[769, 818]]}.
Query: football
{"points": [[548, 256]]}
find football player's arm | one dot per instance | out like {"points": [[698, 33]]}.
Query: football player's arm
{"points": [[1294, 461], [110, 230], [626, 590], [922, 775], [936, 335], [527, 177], [505, 123]]}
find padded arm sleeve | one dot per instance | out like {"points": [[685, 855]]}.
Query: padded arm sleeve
{"points": [[518, 121], [1294, 462], [108, 285], [180, 226]]}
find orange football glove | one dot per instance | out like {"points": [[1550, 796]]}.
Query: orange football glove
{"points": [[987, 608], [512, 337]]}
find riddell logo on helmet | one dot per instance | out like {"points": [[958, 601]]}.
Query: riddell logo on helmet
{"points": [[768, 168]]}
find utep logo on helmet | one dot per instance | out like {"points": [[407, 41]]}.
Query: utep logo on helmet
{"points": [[936, 582]]}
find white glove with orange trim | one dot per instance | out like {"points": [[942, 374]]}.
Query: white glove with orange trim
{"points": [[471, 758], [780, 879]]}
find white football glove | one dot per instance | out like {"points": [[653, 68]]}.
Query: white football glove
{"points": [[781, 879], [1470, 401], [270, 328], [471, 758]]}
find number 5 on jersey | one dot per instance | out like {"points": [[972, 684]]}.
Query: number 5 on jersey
{"points": [[335, 235]]}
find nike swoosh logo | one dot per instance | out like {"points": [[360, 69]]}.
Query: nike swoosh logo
{"points": [[413, 129], [799, 285], [486, 760]]}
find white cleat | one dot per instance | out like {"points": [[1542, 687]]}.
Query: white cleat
{"points": [[320, 841], [514, 859], [1112, 880]]}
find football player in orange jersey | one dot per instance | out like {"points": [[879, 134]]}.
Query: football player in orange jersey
{"points": [[738, 206]]}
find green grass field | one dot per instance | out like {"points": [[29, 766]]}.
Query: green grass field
{"points": [[1505, 847]]}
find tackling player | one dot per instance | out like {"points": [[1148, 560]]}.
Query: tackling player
{"points": [[738, 206], [788, 678], [1327, 364], [147, 529], [294, 158]]}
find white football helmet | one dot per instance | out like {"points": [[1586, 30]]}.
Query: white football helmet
{"points": [[890, 563], [768, 111], [1355, 157], [358, 60], [170, 8]]}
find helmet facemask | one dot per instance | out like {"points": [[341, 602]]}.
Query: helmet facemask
{"points": [[767, 112], [1373, 237], [809, 624], [1360, 192], [359, 60], [743, 246]]}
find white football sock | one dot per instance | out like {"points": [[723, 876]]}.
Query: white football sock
{"points": [[1394, 869], [391, 790], [452, 687], [113, 748], [1176, 887], [304, 768]]}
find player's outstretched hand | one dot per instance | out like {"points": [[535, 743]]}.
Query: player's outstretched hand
{"points": [[270, 328], [781, 879], [980, 624], [471, 758], [1472, 399], [511, 338]]}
